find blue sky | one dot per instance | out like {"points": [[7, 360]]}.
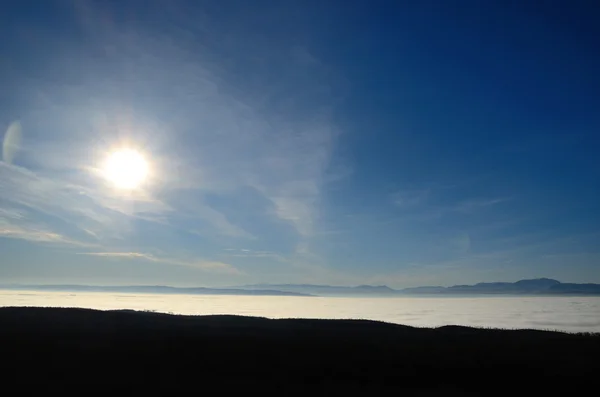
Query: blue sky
{"points": [[360, 142]]}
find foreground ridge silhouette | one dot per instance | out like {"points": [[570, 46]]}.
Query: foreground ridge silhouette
{"points": [[79, 351]]}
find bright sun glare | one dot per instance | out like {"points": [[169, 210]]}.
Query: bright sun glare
{"points": [[126, 168]]}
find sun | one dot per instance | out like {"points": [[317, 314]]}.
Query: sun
{"points": [[126, 169]]}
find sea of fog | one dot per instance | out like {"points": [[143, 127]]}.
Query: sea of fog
{"points": [[572, 314]]}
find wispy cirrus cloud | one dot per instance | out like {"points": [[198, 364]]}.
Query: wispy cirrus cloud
{"points": [[410, 198], [38, 235], [430, 202], [120, 255], [205, 265], [247, 253], [479, 203], [90, 213], [84, 207], [11, 213]]}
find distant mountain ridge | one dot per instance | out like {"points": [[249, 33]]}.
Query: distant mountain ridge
{"points": [[541, 286], [154, 289], [327, 290]]}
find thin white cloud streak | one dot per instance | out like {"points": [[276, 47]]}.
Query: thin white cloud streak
{"points": [[416, 199], [120, 255], [201, 264], [11, 141], [217, 220], [10, 213], [94, 208], [84, 207], [39, 235], [479, 203], [419, 205], [246, 253], [410, 198]]}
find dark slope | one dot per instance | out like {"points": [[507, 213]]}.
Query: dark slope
{"points": [[81, 351]]}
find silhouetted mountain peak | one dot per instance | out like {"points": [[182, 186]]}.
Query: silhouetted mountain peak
{"points": [[528, 286], [537, 282], [375, 287]]}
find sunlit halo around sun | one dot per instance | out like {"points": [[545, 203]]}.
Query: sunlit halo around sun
{"points": [[126, 168]]}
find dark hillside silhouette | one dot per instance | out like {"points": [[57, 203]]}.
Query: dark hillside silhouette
{"points": [[79, 351]]}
